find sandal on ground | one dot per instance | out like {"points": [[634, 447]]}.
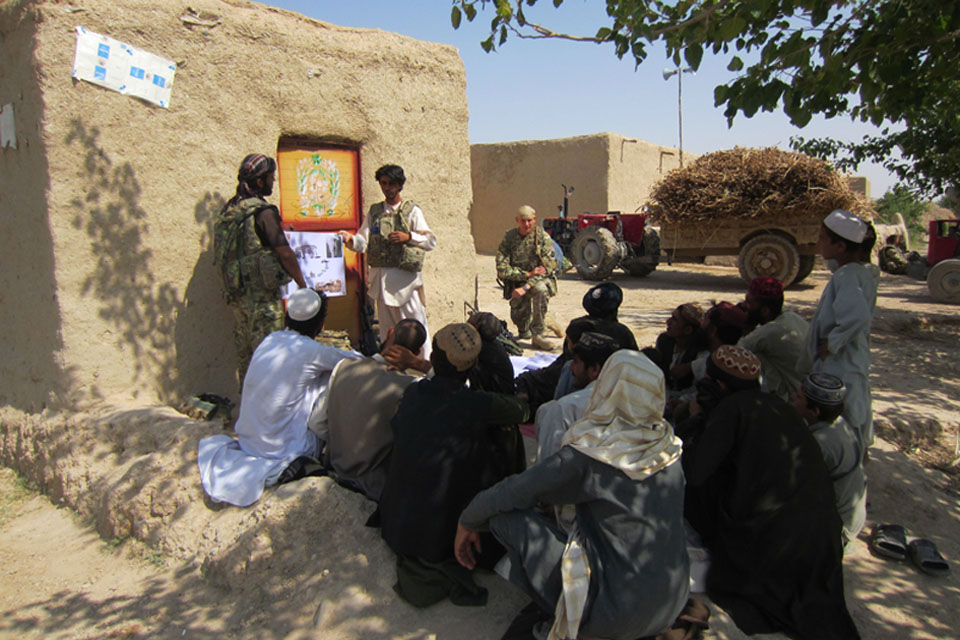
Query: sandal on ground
{"points": [[926, 557], [889, 541]]}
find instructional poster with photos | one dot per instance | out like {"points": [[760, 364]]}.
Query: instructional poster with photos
{"points": [[116, 65], [320, 256]]}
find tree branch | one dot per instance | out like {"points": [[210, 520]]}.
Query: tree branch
{"points": [[544, 32]]}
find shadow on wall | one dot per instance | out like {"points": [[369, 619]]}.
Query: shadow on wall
{"points": [[206, 359], [31, 370], [175, 343]]}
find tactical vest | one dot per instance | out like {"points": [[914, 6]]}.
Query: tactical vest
{"points": [[385, 254], [526, 259], [245, 265]]}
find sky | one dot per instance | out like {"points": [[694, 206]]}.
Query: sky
{"points": [[543, 89]]}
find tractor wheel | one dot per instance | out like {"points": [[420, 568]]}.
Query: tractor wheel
{"points": [[651, 248], [806, 268], [596, 253], [944, 281], [769, 255]]}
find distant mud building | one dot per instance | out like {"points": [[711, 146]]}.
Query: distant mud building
{"points": [[609, 172]]}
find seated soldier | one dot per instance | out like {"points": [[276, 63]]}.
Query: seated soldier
{"points": [[819, 401], [555, 417], [361, 401], [445, 450], [282, 392], [778, 339], [760, 497], [613, 564]]}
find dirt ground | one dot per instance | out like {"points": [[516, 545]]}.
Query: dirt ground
{"points": [[60, 579]]}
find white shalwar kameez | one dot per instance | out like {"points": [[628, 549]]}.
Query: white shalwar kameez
{"points": [[288, 376], [843, 319], [397, 291]]}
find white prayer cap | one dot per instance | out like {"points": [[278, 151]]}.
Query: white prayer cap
{"points": [[846, 225], [303, 304], [526, 212]]}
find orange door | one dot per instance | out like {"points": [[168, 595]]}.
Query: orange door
{"points": [[319, 189]]}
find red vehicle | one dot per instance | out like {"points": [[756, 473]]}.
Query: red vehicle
{"points": [[598, 243], [940, 268], [943, 250]]}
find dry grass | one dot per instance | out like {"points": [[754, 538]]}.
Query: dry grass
{"points": [[14, 491], [753, 183]]}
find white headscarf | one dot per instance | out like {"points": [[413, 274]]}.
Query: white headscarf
{"points": [[623, 424], [623, 427]]}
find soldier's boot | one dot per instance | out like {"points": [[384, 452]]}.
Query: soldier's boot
{"points": [[554, 326], [523, 335], [541, 343]]}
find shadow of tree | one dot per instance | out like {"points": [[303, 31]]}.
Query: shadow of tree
{"points": [[175, 342], [205, 356], [891, 599], [32, 368], [303, 565], [143, 310], [928, 371], [301, 559]]}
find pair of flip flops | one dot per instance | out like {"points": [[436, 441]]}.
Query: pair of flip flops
{"points": [[890, 541]]}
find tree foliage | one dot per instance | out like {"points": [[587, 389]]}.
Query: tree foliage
{"points": [[951, 203], [893, 63], [900, 200]]}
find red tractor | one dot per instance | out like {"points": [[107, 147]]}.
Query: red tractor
{"points": [[941, 267], [598, 243]]}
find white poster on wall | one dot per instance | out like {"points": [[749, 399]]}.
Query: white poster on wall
{"points": [[8, 127], [116, 65], [320, 256]]}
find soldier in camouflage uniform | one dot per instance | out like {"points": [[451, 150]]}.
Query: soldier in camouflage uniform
{"points": [[253, 257], [526, 266]]}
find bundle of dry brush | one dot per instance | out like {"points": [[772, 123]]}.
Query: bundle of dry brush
{"points": [[753, 183]]}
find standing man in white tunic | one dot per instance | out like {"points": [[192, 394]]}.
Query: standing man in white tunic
{"points": [[394, 236], [837, 342]]}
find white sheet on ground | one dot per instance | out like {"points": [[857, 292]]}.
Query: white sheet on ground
{"points": [[529, 363]]}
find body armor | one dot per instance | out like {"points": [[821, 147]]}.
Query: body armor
{"points": [[245, 265], [381, 252]]}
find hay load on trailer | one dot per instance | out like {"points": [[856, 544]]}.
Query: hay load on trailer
{"points": [[762, 205]]}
